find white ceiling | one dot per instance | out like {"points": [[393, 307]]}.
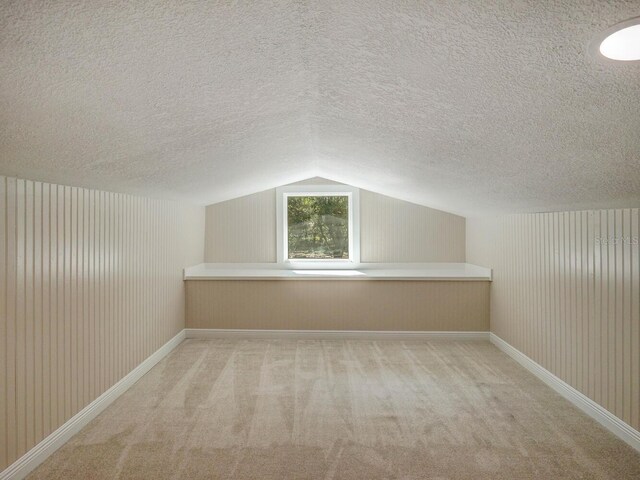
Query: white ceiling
{"points": [[474, 106]]}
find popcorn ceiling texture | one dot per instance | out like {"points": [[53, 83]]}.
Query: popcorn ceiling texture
{"points": [[472, 107]]}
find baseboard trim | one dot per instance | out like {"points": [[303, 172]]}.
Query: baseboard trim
{"points": [[34, 457], [604, 417], [330, 334]]}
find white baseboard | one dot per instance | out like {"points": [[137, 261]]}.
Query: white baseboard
{"points": [[331, 334], [34, 457], [604, 417]]}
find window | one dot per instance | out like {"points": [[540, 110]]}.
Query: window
{"points": [[318, 226]]}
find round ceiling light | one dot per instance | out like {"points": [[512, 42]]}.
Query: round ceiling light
{"points": [[622, 41]]}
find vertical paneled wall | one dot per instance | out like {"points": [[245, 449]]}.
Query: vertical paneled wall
{"points": [[566, 292], [391, 230], [90, 286], [242, 230], [461, 306]]}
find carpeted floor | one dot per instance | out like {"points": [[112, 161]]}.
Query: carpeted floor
{"points": [[357, 410]]}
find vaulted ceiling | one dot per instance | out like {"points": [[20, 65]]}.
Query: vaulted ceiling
{"points": [[475, 106]]}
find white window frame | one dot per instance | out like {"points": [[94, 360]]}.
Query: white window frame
{"points": [[353, 195]]}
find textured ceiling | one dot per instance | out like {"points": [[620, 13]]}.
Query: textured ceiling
{"points": [[475, 106]]}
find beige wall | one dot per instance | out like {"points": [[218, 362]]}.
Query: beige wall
{"points": [[90, 285], [244, 230], [566, 292], [338, 305]]}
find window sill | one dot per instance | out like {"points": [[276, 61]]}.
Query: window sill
{"points": [[365, 271]]}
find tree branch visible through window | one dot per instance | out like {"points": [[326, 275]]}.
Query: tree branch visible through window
{"points": [[318, 227]]}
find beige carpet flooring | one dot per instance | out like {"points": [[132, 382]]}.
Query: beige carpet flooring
{"points": [[301, 409]]}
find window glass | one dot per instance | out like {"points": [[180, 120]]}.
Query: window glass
{"points": [[318, 227]]}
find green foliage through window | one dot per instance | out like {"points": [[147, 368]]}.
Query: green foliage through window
{"points": [[318, 227]]}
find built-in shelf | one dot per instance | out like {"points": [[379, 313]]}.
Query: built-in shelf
{"points": [[365, 271]]}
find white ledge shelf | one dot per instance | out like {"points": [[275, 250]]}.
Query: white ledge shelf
{"points": [[364, 271]]}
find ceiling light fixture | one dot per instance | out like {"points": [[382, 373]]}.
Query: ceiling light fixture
{"points": [[622, 41]]}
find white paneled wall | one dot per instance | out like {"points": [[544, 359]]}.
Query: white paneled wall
{"points": [[242, 229], [396, 231], [90, 286], [566, 292], [391, 230]]}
